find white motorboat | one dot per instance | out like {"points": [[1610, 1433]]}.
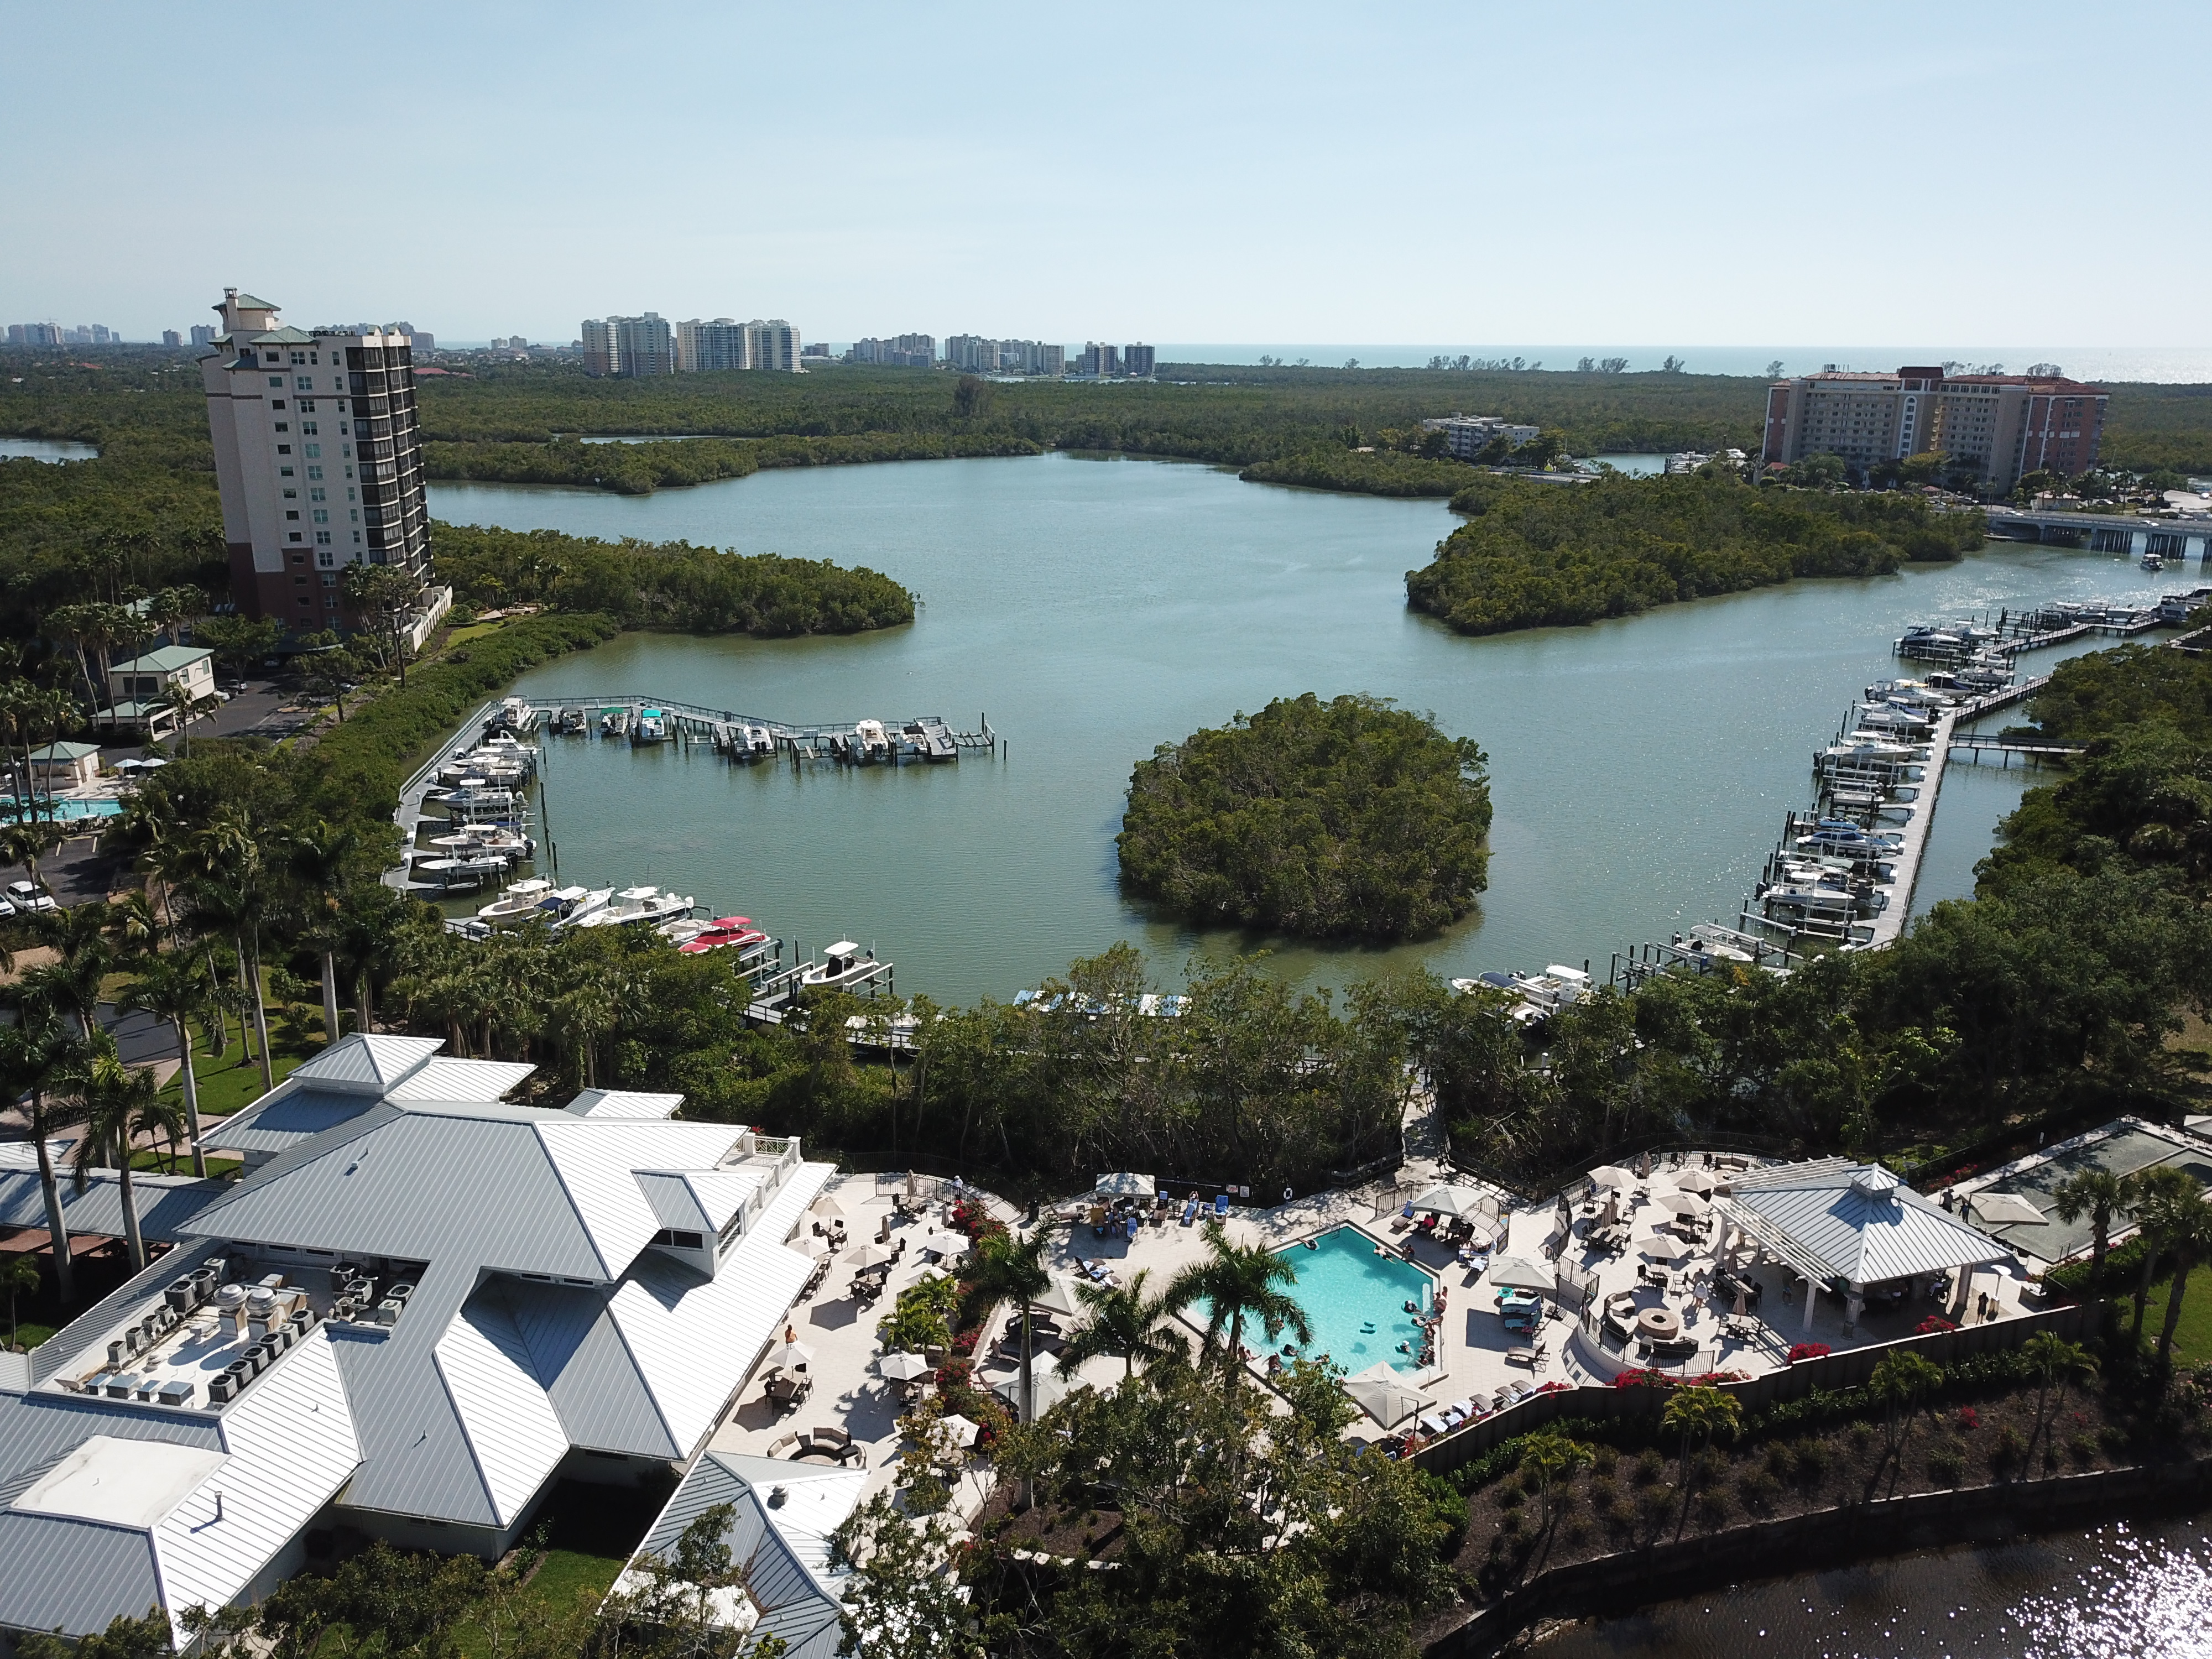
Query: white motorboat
{"points": [[843, 964], [652, 727], [752, 742], [871, 744], [470, 871], [521, 899], [724, 934], [647, 906]]}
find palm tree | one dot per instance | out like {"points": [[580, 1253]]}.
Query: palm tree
{"points": [[1549, 1457], [2099, 1194], [1899, 1381], [71, 983], [234, 889], [1124, 1322], [1012, 1270], [75, 625], [131, 926], [1697, 1415], [25, 841], [318, 856], [2184, 1228], [1238, 1282], [2150, 1191], [19, 1276], [2051, 1360], [120, 1103], [30, 1049], [174, 987]]}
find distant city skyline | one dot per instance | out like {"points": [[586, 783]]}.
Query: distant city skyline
{"points": [[1700, 176]]}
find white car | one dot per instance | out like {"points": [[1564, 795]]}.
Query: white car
{"points": [[6, 908]]}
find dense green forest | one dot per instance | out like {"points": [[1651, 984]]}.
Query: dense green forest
{"points": [[668, 584], [1348, 819], [1540, 554]]}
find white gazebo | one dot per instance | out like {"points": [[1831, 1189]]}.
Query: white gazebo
{"points": [[1847, 1227]]}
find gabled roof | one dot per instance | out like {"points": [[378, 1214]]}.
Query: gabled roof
{"points": [[286, 336], [164, 660], [1858, 1224], [168, 1206], [701, 1200], [65, 752], [623, 1102], [288, 1114], [446, 1079], [369, 1064], [782, 1546], [247, 303]]}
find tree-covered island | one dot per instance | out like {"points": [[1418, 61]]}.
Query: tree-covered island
{"points": [[1342, 819]]}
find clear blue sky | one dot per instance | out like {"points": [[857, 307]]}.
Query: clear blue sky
{"points": [[1685, 174]]}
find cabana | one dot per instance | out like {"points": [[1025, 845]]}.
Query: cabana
{"points": [[1847, 1227]]}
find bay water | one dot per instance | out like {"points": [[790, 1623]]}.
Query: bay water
{"points": [[1096, 607]]}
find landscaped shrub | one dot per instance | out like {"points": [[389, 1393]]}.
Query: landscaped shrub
{"points": [[1808, 1351], [1651, 1464], [1947, 1461]]}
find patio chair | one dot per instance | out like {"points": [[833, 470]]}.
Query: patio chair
{"points": [[1221, 1206], [1189, 1209]]}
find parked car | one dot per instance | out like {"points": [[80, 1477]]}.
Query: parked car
{"points": [[27, 897]]}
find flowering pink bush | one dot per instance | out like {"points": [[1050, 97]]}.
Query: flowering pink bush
{"points": [[1643, 1377], [1808, 1351], [1969, 1418], [1934, 1324]]}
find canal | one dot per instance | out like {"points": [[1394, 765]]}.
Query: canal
{"points": [[1094, 608]]}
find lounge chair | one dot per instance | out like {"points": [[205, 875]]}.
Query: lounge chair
{"points": [[1189, 1209], [1221, 1206]]}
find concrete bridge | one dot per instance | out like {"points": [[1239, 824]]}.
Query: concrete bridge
{"points": [[2106, 532]]}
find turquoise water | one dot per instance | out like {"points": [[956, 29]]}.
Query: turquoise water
{"points": [[1355, 1300], [68, 812]]}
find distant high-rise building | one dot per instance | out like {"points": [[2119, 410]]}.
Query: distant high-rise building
{"points": [[1104, 361], [772, 345], [1999, 425], [316, 457], [972, 353], [15, 334], [34, 334], [1137, 361], [901, 351], [1052, 360], [203, 334], [421, 339], [629, 346], [704, 348], [171, 338]]}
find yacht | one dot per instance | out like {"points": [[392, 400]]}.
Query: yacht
{"points": [[724, 934], [842, 964], [520, 900], [646, 905]]}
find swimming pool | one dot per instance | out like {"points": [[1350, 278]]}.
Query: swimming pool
{"points": [[1355, 1301], [66, 809]]}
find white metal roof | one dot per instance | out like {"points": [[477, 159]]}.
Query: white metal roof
{"points": [[1857, 1224], [121, 1482], [623, 1102], [368, 1063], [444, 1077], [596, 1160], [512, 1428]]}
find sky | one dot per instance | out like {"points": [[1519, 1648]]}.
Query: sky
{"points": [[1688, 175]]}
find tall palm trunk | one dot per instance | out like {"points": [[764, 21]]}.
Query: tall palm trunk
{"points": [[218, 1028], [361, 998], [2180, 1282], [191, 1092], [330, 997], [64, 1267], [261, 1016], [2142, 1286], [132, 1235]]}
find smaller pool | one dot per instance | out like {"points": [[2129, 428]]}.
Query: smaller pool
{"points": [[1354, 1294], [67, 811]]}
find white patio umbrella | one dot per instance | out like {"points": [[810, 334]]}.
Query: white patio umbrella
{"points": [[828, 1210], [1387, 1400], [1697, 1180], [945, 1245], [1450, 1200], [811, 1245], [1687, 1203], [1059, 1297], [1742, 1301], [869, 1255], [1611, 1175], [790, 1355], [903, 1367], [1125, 1185], [1660, 1248], [961, 1431], [1050, 1390], [1643, 1167], [2001, 1209], [1514, 1274]]}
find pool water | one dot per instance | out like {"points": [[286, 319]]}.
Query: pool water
{"points": [[65, 810], [1355, 1300]]}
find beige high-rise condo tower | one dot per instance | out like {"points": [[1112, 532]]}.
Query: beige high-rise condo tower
{"points": [[317, 458]]}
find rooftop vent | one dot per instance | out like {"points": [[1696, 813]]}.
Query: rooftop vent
{"points": [[1872, 1182]]}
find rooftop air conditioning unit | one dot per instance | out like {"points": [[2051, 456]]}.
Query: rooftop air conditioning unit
{"points": [[221, 1389]]}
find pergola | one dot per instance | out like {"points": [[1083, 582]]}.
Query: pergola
{"points": [[1847, 1226]]}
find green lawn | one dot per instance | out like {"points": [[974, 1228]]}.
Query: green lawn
{"points": [[158, 1160], [592, 1532], [230, 1081], [2192, 1338]]}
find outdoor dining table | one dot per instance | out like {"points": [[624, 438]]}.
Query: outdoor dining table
{"points": [[1660, 1324]]}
